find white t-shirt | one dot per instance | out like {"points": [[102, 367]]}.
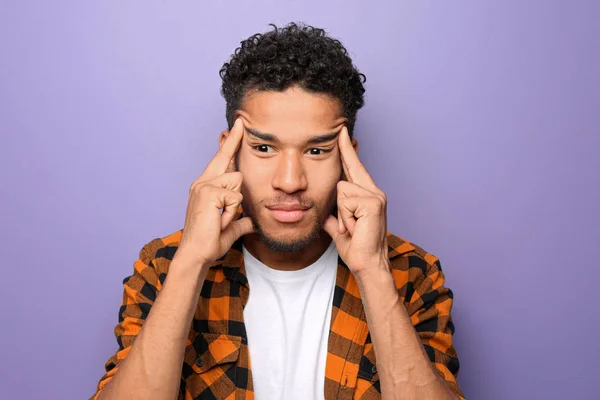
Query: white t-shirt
{"points": [[287, 320]]}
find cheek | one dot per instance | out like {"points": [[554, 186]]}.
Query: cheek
{"points": [[324, 179], [256, 174]]}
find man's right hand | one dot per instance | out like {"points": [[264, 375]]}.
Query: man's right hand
{"points": [[208, 232]]}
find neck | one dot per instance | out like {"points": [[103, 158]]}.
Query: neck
{"points": [[287, 261]]}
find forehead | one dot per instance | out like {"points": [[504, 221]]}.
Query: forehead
{"points": [[293, 113]]}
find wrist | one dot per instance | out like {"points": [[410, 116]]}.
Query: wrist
{"points": [[187, 262], [378, 271], [186, 275], [377, 281]]}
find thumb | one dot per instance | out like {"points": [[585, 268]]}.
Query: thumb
{"points": [[235, 230], [331, 227]]}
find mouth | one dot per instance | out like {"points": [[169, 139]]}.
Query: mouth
{"points": [[288, 213]]}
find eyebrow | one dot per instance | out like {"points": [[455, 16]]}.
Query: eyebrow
{"points": [[269, 137]]}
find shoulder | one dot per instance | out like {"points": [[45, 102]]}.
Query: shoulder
{"points": [[417, 274], [399, 247], [159, 252], [410, 262]]}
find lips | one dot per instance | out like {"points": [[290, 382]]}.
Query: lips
{"points": [[288, 207], [288, 212]]}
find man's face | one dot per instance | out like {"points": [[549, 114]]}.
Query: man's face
{"points": [[290, 162]]}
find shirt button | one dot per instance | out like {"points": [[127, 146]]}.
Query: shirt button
{"points": [[374, 369], [199, 362]]}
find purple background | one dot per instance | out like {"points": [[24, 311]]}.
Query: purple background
{"points": [[481, 124]]}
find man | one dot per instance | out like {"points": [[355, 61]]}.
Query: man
{"points": [[284, 282]]}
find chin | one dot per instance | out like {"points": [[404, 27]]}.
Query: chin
{"points": [[286, 232], [281, 244], [294, 237]]}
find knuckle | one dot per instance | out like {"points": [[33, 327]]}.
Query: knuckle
{"points": [[202, 191], [232, 197], [379, 205], [194, 187]]}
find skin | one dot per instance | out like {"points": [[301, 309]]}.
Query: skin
{"points": [[152, 368], [289, 171], [289, 167]]}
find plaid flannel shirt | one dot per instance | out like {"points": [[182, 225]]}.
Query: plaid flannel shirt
{"points": [[217, 362]]}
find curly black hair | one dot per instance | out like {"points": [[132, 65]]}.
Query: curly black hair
{"points": [[297, 54]]}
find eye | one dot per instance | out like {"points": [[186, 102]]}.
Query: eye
{"points": [[318, 152], [263, 148]]}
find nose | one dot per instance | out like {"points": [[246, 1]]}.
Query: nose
{"points": [[290, 176]]}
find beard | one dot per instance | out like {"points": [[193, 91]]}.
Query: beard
{"points": [[293, 245], [288, 246]]}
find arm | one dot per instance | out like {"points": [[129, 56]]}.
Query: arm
{"points": [[401, 336], [148, 364], [360, 235]]}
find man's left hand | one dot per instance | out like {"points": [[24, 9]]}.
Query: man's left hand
{"points": [[359, 231]]}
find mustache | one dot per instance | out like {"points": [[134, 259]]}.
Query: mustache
{"points": [[290, 199]]}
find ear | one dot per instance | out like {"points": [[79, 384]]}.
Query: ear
{"points": [[355, 145], [222, 137]]}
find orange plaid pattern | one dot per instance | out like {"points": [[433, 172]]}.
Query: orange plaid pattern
{"points": [[217, 362]]}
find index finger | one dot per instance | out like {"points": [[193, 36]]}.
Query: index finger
{"points": [[219, 163], [355, 170]]}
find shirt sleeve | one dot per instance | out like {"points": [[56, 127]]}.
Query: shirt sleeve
{"points": [[139, 293], [429, 308]]}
